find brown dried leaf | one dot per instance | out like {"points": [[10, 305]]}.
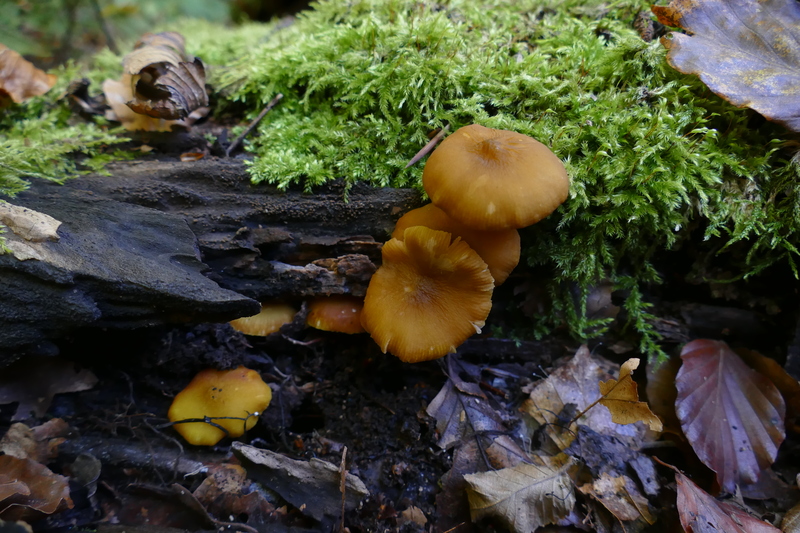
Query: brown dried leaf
{"points": [[524, 496], [166, 83], [621, 497], [731, 415], [39, 443], [38, 490], [746, 51], [786, 384], [118, 93], [463, 412], [227, 492], [661, 392], [701, 513], [34, 380], [622, 399], [571, 389], [19, 79]]}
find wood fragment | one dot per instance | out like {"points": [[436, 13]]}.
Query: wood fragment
{"points": [[235, 144], [429, 147]]}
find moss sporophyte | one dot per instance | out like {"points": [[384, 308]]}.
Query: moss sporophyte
{"points": [[651, 154]]}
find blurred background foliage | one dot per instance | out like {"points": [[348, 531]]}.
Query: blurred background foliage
{"points": [[51, 32]]}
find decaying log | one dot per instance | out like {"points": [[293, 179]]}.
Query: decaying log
{"points": [[166, 241]]}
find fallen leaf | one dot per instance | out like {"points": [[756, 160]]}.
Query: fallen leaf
{"points": [[522, 497], [39, 443], [34, 380], [228, 492], [622, 399], [36, 490], [118, 93], [311, 486], [661, 391], [731, 415], [746, 51], [166, 82], [621, 497], [19, 79], [412, 514], [28, 224], [568, 390], [701, 513], [791, 520], [462, 412], [786, 384]]}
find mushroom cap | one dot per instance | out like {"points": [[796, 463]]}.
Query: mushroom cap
{"points": [[500, 249], [428, 296], [269, 320], [494, 179], [339, 312], [238, 392]]}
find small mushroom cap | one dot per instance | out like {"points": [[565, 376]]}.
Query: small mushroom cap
{"points": [[340, 313], [500, 249], [269, 320], [494, 179], [428, 296], [239, 392]]}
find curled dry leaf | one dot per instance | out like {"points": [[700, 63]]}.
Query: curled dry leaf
{"points": [[731, 415], [746, 51], [620, 496], [19, 79], [701, 513], [622, 399], [34, 380], [661, 391], [29, 490], [118, 94], [523, 497], [39, 443], [166, 82]]}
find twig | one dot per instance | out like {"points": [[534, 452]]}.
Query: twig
{"points": [[98, 13], [235, 144], [342, 485], [428, 147]]}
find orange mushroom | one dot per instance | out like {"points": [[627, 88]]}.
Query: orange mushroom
{"points": [[500, 249], [339, 312], [491, 179], [428, 296], [268, 321], [231, 399]]}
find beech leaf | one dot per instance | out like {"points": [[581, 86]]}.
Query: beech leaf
{"points": [[19, 79], [731, 415], [622, 399], [570, 389], [621, 497], [700, 512], [166, 82], [523, 497], [746, 51], [29, 489]]}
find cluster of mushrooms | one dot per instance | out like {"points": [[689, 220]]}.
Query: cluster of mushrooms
{"points": [[434, 287]]}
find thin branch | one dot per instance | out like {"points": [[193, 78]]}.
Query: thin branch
{"points": [[235, 144], [429, 147]]}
